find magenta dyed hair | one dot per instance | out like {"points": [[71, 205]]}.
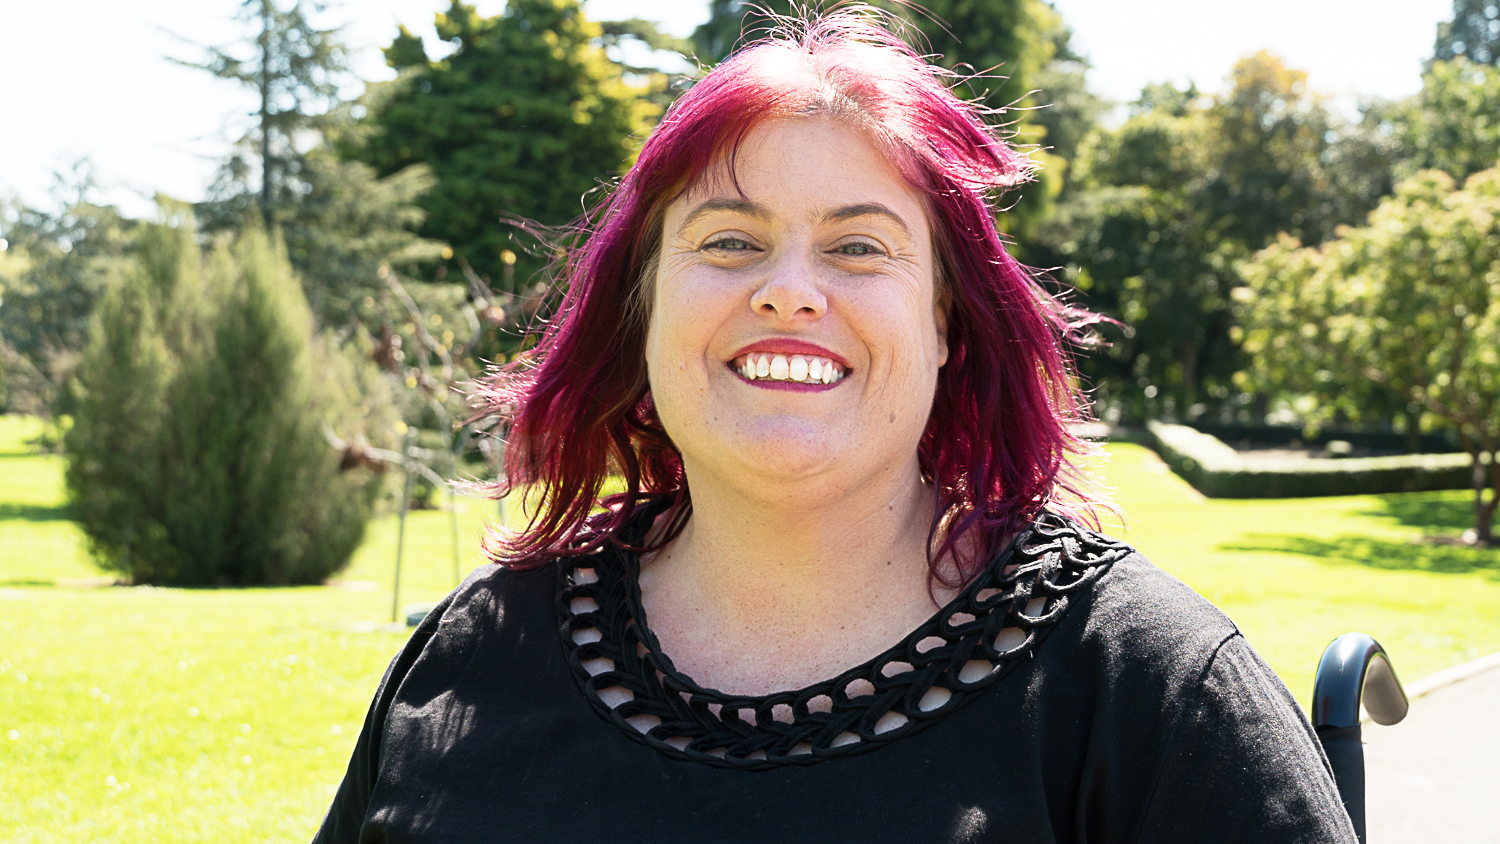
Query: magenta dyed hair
{"points": [[996, 446]]}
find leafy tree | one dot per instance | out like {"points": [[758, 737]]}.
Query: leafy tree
{"points": [[198, 453], [1168, 205], [1068, 111], [52, 272], [1407, 306], [525, 117], [1143, 249], [1267, 139], [1450, 125], [1474, 33]]}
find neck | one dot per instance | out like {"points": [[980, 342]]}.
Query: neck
{"points": [[766, 590]]}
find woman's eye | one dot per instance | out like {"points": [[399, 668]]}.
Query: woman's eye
{"points": [[857, 249], [728, 244]]}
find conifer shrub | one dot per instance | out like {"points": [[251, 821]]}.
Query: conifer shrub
{"points": [[198, 453]]}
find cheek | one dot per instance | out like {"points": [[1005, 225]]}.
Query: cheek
{"points": [[684, 318], [911, 334]]}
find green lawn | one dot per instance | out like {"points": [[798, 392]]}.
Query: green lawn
{"points": [[141, 714]]}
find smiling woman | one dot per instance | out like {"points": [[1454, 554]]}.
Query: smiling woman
{"points": [[845, 593]]}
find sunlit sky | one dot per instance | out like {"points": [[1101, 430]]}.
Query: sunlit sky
{"points": [[90, 78]]}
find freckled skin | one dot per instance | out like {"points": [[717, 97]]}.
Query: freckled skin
{"points": [[806, 551]]}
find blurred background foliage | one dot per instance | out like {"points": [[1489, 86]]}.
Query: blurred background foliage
{"points": [[1229, 233]]}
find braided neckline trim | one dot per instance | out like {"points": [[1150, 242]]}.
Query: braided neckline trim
{"points": [[965, 647]]}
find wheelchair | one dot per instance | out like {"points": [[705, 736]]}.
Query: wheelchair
{"points": [[1354, 671]]}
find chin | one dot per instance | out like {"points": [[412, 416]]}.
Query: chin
{"points": [[789, 452]]}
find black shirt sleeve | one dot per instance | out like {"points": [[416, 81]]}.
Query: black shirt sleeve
{"points": [[351, 804], [1243, 765]]}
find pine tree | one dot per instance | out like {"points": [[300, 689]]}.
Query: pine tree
{"points": [[293, 68], [120, 402], [198, 454]]}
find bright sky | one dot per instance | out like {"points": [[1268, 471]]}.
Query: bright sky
{"points": [[106, 92]]}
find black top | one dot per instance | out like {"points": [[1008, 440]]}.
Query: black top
{"points": [[1071, 693]]}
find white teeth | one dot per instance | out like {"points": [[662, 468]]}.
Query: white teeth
{"points": [[805, 369], [798, 369]]}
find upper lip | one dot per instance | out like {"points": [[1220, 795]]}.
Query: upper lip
{"points": [[787, 346]]}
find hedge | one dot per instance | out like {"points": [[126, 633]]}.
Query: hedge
{"points": [[1218, 471], [1438, 442]]}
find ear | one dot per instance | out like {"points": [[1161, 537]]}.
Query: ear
{"points": [[940, 306]]}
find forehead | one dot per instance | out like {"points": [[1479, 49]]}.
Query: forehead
{"points": [[803, 164]]}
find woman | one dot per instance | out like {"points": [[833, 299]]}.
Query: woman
{"points": [[842, 597]]}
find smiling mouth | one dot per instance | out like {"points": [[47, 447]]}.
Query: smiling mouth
{"points": [[792, 369]]}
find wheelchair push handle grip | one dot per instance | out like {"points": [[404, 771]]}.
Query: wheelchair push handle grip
{"points": [[1355, 668]]}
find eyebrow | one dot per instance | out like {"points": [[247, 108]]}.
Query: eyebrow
{"points": [[759, 212], [866, 210], [735, 205]]}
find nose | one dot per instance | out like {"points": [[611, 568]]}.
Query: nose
{"points": [[791, 293]]}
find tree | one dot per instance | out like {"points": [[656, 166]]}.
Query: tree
{"points": [[294, 69], [346, 225], [1267, 139], [1143, 249], [340, 220], [52, 272], [1167, 205], [1474, 33], [523, 119], [1450, 125], [1408, 305], [198, 454]]}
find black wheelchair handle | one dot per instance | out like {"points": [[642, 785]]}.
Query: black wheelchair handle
{"points": [[1352, 664]]}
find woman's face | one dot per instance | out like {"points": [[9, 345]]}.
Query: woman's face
{"points": [[795, 330]]}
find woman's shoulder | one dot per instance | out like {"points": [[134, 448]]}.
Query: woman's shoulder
{"points": [[492, 590], [1131, 598], [1183, 715], [1136, 621]]}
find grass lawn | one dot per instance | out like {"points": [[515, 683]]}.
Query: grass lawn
{"points": [[141, 714]]}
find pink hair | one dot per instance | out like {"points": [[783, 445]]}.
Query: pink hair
{"points": [[997, 444]]}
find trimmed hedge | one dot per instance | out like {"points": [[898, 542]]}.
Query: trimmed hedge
{"points": [[1438, 442], [1218, 471]]}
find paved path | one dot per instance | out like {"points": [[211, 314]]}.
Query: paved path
{"points": [[1436, 775]]}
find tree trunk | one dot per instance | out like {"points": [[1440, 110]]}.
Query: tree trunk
{"points": [[1413, 430], [1189, 354], [266, 191], [1484, 511]]}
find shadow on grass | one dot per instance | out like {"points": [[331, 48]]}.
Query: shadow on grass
{"points": [[1385, 554], [35, 513], [1434, 512]]}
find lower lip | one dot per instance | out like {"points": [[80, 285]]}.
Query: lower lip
{"points": [[790, 386]]}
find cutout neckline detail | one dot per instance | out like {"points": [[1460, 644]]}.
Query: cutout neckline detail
{"points": [[965, 647]]}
